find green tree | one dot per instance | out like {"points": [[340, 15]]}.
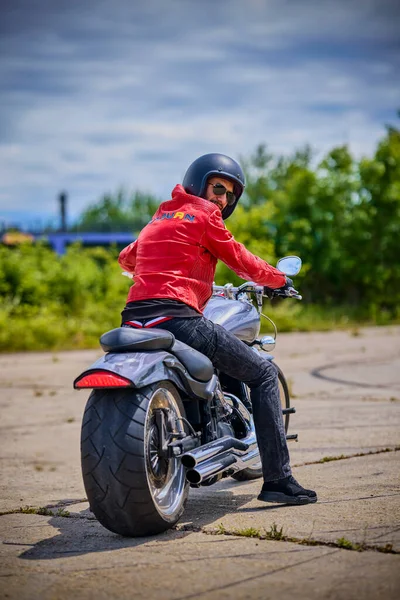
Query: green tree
{"points": [[379, 224], [341, 216], [118, 212]]}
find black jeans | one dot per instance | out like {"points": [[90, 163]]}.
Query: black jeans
{"points": [[233, 357]]}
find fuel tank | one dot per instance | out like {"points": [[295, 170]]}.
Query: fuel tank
{"points": [[238, 317]]}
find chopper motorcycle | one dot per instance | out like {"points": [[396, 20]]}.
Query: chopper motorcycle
{"points": [[161, 419]]}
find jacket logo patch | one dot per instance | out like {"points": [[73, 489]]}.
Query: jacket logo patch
{"points": [[175, 215]]}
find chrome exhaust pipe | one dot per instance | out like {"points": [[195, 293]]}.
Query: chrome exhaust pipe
{"points": [[209, 468], [231, 457], [219, 446]]}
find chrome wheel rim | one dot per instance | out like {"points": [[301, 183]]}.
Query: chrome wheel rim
{"points": [[165, 476]]}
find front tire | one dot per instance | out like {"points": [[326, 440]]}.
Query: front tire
{"points": [[256, 471], [131, 488]]}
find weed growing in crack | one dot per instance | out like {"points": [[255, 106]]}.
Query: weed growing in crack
{"points": [[344, 457], [348, 545], [345, 543], [62, 513], [277, 534], [41, 510], [274, 533], [250, 532], [330, 458], [32, 510]]}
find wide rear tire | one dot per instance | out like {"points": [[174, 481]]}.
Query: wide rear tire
{"points": [[256, 471], [131, 489]]}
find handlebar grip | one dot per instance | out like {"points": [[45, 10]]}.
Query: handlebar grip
{"points": [[286, 292]]}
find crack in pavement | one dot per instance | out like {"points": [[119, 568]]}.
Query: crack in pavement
{"points": [[341, 545], [327, 459], [46, 510], [337, 500], [255, 534]]}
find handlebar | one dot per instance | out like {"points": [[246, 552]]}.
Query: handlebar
{"points": [[231, 292]]}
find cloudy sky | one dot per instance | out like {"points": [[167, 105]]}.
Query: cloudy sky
{"points": [[102, 93]]}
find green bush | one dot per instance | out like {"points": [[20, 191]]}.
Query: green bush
{"points": [[67, 302], [51, 302]]}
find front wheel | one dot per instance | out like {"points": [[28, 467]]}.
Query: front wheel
{"points": [[133, 488], [255, 472]]}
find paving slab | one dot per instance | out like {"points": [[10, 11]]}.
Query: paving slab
{"points": [[359, 500], [58, 558], [346, 388]]}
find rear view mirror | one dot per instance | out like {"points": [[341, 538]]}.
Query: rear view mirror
{"points": [[290, 265]]}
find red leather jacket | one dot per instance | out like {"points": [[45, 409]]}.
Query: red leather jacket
{"points": [[176, 254]]}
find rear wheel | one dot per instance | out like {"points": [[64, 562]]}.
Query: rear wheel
{"points": [[133, 488], [255, 472]]}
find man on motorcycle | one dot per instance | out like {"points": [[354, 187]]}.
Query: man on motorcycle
{"points": [[173, 262]]}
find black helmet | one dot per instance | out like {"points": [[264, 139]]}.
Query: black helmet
{"points": [[209, 165]]}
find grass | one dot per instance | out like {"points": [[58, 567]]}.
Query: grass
{"points": [[55, 331], [276, 533], [250, 532], [291, 316], [41, 510], [326, 459], [347, 545]]}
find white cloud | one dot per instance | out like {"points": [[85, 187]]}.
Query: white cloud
{"points": [[130, 94]]}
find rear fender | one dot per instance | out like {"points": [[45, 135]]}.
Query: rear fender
{"points": [[145, 368]]}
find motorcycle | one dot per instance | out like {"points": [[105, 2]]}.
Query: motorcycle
{"points": [[160, 419]]}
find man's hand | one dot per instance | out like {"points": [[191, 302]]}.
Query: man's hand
{"points": [[288, 284], [279, 291]]}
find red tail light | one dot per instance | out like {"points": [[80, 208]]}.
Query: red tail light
{"points": [[102, 379]]}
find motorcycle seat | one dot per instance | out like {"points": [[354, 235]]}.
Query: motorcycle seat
{"points": [[127, 339], [199, 366]]}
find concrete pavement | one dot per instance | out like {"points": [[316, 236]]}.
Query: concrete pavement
{"points": [[346, 389]]}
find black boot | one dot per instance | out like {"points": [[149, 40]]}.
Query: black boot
{"points": [[286, 491]]}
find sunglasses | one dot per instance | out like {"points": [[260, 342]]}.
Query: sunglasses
{"points": [[220, 190]]}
